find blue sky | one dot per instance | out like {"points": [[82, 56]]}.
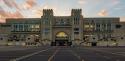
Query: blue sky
{"points": [[33, 8]]}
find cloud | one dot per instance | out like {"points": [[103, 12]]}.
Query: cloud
{"points": [[11, 4], [2, 19], [0, 0], [115, 2], [103, 13], [16, 14], [122, 19], [37, 11], [56, 10], [81, 2], [8, 14], [29, 4], [2, 12], [5, 14]]}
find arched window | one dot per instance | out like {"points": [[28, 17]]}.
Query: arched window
{"points": [[61, 34]]}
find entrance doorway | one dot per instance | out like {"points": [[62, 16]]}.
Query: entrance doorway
{"points": [[61, 39], [94, 43], [61, 42]]}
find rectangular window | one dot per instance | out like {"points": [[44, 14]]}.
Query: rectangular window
{"points": [[46, 21], [20, 27], [97, 27], [118, 26], [76, 20], [109, 27], [26, 27], [46, 31], [76, 32], [76, 29], [15, 27]]}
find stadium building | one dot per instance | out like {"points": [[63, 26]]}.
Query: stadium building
{"points": [[63, 30]]}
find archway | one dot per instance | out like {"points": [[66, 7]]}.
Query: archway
{"points": [[61, 35], [62, 39]]}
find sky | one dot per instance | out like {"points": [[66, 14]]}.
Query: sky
{"points": [[33, 8]]}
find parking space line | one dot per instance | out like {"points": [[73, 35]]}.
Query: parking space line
{"points": [[120, 52], [106, 57], [52, 56], [76, 55], [108, 52], [29, 55]]}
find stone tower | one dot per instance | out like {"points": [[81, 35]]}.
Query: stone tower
{"points": [[46, 25], [77, 24]]}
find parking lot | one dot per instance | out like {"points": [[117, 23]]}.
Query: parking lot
{"points": [[63, 53]]}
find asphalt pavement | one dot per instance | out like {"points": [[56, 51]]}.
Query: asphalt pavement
{"points": [[63, 53]]}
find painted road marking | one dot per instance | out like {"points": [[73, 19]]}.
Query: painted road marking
{"points": [[121, 52], [51, 57], [106, 57], [29, 55], [76, 55], [117, 60], [111, 52], [97, 53], [100, 55], [108, 52]]}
